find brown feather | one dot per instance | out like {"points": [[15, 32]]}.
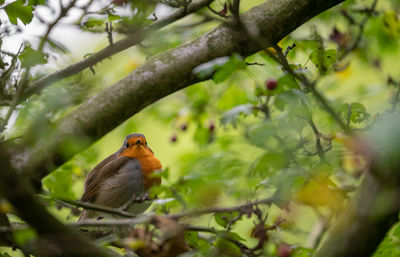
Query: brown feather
{"points": [[101, 172]]}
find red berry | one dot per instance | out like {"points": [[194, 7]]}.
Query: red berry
{"points": [[184, 127], [271, 84], [211, 127], [284, 250], [174, 138], [119, 2]]}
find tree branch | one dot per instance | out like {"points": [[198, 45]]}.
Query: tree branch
{"points": [[112, 49]]}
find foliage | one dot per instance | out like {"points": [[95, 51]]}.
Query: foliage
{"points": [[230, 140]]}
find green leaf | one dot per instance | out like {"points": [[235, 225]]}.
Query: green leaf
{"points": [[235, 63], [302, 252], [191, 237], [225, 218], [36, 2], [286, 82], [290, 97], [227, 248], [260, 133], [23, 236], [202, 135], [358, 113], [30, 57], [230, 235], [322, 59], [268, 163], [390, 245], [231, 116], [19, 10], [391, 23], [60, 183], [205, 70], [288, 182], [221, 68], [113, 17], [93, 22]]}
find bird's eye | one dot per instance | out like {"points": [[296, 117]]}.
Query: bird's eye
{"points": [[138, 141], [127, 144]]}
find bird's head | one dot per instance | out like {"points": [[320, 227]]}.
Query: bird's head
{"points": [[135, 145]]}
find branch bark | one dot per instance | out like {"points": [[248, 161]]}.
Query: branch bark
{"points": [[160, 76]]}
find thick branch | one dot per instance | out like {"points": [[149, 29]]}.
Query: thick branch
{"points": [[162, 75], [55, 238]]}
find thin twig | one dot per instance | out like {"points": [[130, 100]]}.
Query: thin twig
{"points": [[109, 31], [14, 102], [223, 209], [221, 13], [395, 98], [100, 208], [361, 27], [63, 12], [243, 247], [255, 63], [318, 145]]}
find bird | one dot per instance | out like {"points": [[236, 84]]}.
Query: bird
{"points": [[122, 177]]}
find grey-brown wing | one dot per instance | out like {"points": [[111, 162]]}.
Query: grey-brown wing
{"points": [[118, 189], [100, 173]]}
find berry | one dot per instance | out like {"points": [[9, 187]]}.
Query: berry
{"points": [[284, 250], [271, 84], [211, 127], [184, 127], [119, 2], [174, 138]]}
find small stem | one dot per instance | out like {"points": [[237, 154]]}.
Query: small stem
{"points": [[396, 98], [219, 210]]}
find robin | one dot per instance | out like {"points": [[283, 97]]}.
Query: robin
{"points": [[122, 177]]}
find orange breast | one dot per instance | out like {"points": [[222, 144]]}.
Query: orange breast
{"points": [[149, 165], [148, 162]]}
